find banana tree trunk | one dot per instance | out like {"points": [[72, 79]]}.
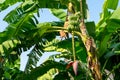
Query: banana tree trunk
{"points": [[93, 63]]}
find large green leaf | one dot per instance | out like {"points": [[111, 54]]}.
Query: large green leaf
{"points": [[24, 24], [6, 3], [51, 4], [108, 25], [18, 13], [110, 5], [106, 13], [13, 16], [42, 69], [113, 26], [59, 13], [66, 49], [35, 36]]}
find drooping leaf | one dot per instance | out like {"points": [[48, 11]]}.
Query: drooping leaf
{"points": [[6, 3], [13, 16], [57, 45], [16, 14]]}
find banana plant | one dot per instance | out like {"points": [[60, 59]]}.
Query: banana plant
{"points": [[87, 50]]}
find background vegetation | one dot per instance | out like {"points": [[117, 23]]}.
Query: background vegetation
{"points": [[90, 52]]}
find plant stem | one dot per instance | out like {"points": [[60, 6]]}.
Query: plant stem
{"points": [[104, 65], [73, 46]]}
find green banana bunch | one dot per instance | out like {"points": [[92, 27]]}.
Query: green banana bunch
{"points": [[73, 22]]}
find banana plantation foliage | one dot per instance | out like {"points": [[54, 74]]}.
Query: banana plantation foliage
{"points": [[88, 51]]}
